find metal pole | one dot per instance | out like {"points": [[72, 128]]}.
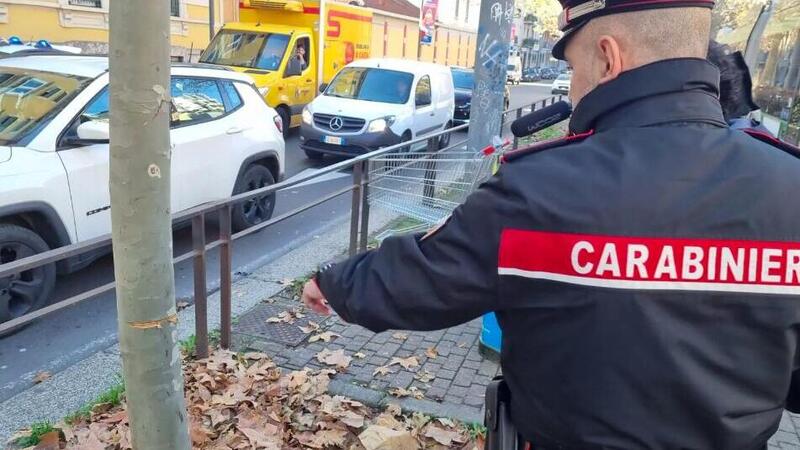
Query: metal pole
{"points": [[200, 300], [429, 188], [211, 19], [354, 211], [491, 58], [516, 139], [364, 208], [225, 269], [323, 14]]}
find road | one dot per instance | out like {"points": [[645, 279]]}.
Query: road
{"points": [[67, 336]]}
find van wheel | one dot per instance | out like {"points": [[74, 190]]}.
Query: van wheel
{"points": [[258, 209], [28, 291], [286, 119], [444, 139], [313, 155]]}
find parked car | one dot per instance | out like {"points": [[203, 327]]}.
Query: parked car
{"points": [[54, 156], [561, 84], [530, 75], [464, 82], [548, 74], [376, 103]]}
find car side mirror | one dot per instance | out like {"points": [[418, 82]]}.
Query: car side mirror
{"points": [[94, 130], [323, 87]]}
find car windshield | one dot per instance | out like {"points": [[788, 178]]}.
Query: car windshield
{"points": [[510, 67], [463, 79], [372, 85], [242, 49], [563, 77], [29, 98]]}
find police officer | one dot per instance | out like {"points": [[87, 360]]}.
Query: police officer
{"points": [[645, 269]]}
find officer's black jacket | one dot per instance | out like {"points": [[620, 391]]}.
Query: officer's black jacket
{"points": [[602, 346]]}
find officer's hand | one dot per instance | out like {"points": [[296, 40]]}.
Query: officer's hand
{"points": [[315, 299]]}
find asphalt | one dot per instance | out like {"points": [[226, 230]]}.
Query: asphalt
{"points": [[66, 338]]}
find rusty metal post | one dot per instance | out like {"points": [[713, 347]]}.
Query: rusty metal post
{"points": [[355, 208], [225, 272], [200, 299], [364, 208], [429, 187], [516, 139], [544, 103]]}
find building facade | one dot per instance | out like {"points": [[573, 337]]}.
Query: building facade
{"points": [[84, 23]]}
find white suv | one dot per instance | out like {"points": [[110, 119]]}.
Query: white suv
{"points": [[54, 158]]}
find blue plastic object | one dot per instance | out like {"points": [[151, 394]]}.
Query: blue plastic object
{"points": [[42, 43], [491, 335], [15, 40]]}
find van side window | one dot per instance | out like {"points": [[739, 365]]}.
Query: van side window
{"points": [[423, 92], [298, 61], [195, 100]]}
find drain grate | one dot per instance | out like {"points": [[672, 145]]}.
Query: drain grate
{"points": [[254, 323]]}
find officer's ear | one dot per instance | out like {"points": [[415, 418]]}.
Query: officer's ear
{"points": [[610, 55]]}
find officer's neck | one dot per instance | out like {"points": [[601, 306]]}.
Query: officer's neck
{"points": [[673, 90]]}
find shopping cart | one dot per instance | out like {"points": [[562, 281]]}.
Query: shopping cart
{"points": [[425, 187]]}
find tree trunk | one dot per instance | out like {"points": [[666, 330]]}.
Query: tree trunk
{"points": [[141, 225]]}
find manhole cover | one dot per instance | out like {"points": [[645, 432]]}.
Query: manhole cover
{"points": [[254, 323]]}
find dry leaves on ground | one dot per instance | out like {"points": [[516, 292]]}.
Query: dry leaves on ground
{"points": [[411, 392], [246, 402], [431, 353], [324, 337], [287, 316], [335, 358], [359, 355], [424, 377], [382, 370], [310, 327], [407, 363], [400, 336], [41, 377]]}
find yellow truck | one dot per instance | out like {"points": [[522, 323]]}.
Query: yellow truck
{"points": [[277, 43]]}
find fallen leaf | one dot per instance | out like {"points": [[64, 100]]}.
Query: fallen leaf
{"points": [[334, 358], [351, 419], [286, 282], [310, 327], [412, 392], [441, 436], [329, 438], [262, 437], [407, 363], [431, 353], [41, 377], [255, 355], [381, 438], [274, 320], [462, 345], [382, 370], [400, 336], [120, 416], [359, 355], [394, 409], [424, 377], [446, 422], [325, 337]]}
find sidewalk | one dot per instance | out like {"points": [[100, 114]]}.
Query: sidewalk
{"points": [[440, 373]]}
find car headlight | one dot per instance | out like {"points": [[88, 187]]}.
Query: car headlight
{"points": [[379, 125], [307, 116], [263, 91]]}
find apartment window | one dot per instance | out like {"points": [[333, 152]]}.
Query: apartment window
{"points": [[87, 3], [175, 8]]}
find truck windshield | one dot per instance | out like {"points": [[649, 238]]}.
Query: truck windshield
{"points": [[29, 98], [463, 79], [243, 49], [372, 85]]}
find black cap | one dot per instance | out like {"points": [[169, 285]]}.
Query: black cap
{"points": [[577, 13]]}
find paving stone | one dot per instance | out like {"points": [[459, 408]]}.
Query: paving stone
{"points": [[445, 374], [441, 383], [373, 346], [784, 437], [453, 363], [388, 349], [460, 351], [402, 380], [403, 353], [381, 338], [464, 377], [472, 365], [436, 393], [350, 332], [432, 367]]}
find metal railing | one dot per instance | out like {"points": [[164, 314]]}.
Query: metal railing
{"points": [[359, 229]]}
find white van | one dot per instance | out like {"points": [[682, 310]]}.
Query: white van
{"points": [[514, 70], [375, 103]]}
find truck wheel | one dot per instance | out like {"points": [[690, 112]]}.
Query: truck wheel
{"points": [[313, 155], [28, 291], [286, 119], [258, 209]]}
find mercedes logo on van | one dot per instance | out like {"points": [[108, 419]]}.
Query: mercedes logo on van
{"points": [[336, 123]]}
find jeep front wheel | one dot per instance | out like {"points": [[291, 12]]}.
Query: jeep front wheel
{"points": [[257, 209], [29, 290]]}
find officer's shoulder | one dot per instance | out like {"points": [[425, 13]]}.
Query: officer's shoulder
{"points": [[772, 141], [541, 147]]}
